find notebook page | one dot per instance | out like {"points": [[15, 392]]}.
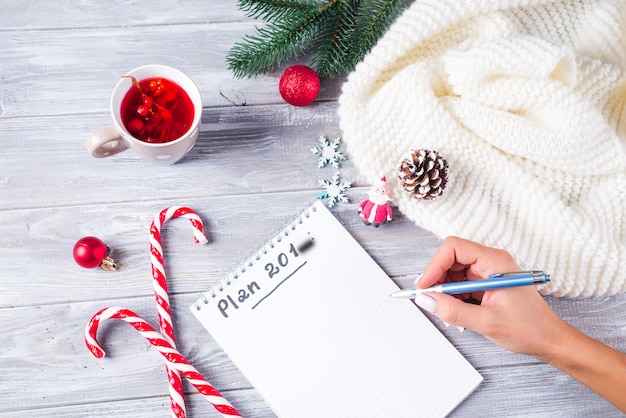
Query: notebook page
{"points": [[317, 334]]}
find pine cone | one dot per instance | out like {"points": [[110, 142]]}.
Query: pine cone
{"points": [[424, 173]]}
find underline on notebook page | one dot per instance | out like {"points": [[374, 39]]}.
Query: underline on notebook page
{"points": [[278, 285]]}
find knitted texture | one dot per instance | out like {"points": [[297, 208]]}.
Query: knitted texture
{"points": [[525, 101]]}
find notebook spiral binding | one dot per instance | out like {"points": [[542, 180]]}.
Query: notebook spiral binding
{"points": [[254, 257]]}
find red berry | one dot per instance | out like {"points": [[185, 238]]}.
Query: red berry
{"points": [[89, 252], [135, 125], [143, 110], [153, 85], [171, 94], [299, 85], [170, 91], [147, 100], [157, 87]]}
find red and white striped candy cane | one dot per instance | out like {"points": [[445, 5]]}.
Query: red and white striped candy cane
{"points": [[177, 399], [176, 360]]}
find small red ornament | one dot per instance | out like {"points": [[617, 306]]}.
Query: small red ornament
{"points": [[90, 252], [299, 85]]}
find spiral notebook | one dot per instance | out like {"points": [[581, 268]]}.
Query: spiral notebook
{"points": [[309, 321]]}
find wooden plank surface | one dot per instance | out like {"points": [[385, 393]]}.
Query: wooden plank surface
{"points": [[250, 171]]}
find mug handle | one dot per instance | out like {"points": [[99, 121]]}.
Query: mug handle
{"points": [[106, 142]]}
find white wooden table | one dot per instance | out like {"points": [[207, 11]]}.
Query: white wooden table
{"points": [[250, 171]]}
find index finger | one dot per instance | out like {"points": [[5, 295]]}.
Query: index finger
{"points": [[458, 259]]}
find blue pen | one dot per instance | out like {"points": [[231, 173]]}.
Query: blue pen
{"points": [[494, 281]]}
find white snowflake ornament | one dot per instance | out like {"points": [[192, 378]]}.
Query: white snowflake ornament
{"points": [[334, 191], [327, 152]]}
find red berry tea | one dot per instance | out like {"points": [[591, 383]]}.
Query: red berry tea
{"points": [[156, 110]]}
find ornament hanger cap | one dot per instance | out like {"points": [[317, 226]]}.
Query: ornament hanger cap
{"points": [[108, 264]]}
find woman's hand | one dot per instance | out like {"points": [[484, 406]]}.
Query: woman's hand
{"points": [[518, 319]]}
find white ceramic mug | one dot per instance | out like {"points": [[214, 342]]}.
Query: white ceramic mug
{"points": [[115, 138]]}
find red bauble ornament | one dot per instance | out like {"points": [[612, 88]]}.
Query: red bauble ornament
{"points": [[299, 85], [90, 252]]}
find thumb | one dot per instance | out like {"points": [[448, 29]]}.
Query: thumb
{"points": [[452, 310]]}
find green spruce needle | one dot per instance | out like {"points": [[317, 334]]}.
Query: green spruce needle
{"points": [[336, 34]]}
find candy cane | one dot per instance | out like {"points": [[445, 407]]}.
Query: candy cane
{"points": [[173, 358], [177, 399]]}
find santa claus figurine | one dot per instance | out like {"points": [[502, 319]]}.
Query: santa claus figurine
{"points": [[376, 210]]}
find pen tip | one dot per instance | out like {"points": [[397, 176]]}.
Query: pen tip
{"points": [[403, 294], [398, 295]]}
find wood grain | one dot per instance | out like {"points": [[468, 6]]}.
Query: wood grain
{"points": [[250, 171]]}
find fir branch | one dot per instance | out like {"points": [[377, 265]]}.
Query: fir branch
{"points": [[338, 33], [268, 10], [277, 42], [333, 44], [272, 45], [374, 18]]}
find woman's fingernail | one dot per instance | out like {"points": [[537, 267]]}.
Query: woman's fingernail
{"points": [[425, 302], [418, 278]]}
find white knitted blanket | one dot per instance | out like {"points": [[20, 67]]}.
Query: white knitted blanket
{"points": [[525, 100]]}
